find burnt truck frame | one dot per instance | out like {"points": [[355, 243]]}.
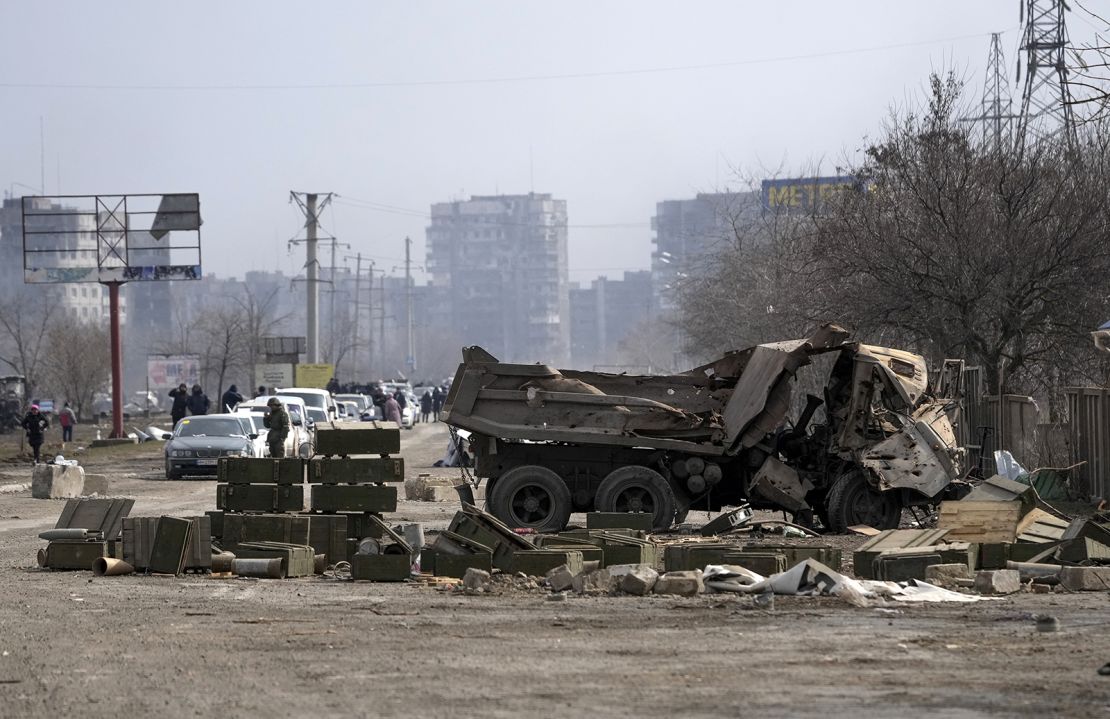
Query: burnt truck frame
{"points": [[549, 442]]}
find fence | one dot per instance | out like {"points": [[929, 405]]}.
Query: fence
{"points": [[1089, 438], [987, 423]]}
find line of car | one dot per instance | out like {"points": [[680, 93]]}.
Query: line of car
{"points": [[196, 443]]}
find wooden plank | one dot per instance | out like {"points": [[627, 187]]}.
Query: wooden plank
{"points": [[980, 521]]}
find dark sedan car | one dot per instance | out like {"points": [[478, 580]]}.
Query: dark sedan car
{"points": [[198, 442]]}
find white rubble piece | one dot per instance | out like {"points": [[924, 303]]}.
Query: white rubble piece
{"points": [[997, 581], [476, 580], [598, 581], [96, 484], [638, 579], [1085, 579], [51, 481], [685, 584], [560, 578], [945, 575]]}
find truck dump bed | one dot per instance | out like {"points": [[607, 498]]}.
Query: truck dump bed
{"points": [[716, 409]]}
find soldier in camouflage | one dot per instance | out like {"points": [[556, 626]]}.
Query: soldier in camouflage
{"points": [[277, 421]]}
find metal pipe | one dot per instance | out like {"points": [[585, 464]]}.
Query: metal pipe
{"points": [[222, 562], [41, 558], [1043, 573], [320, 563], [265, 568], [108, 567]]}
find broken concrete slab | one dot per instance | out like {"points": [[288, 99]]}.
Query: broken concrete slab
{"points": [[595, 582], [96, 484], [997, 581], [1085, 579], [560, 578], [476, 580], [638, 579], [685, 583], [945, 575], [53, 481]]}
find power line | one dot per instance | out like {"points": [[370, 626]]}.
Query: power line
{"points": [[488, 80]]}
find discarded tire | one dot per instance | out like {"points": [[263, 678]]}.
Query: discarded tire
{"points": [[531, 496], [637, 489]]}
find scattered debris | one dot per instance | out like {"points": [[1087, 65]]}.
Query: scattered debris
{"points": [[997, 581]]}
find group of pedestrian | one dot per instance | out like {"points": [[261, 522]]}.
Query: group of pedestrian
{"points": [[431, 402], [194, 402], [35, 423]]}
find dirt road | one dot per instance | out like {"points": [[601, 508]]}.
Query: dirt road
{"points": [[75, 645]]}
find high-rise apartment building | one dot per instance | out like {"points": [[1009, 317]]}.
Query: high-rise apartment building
{"points": [[501, 264], [688, 231]]}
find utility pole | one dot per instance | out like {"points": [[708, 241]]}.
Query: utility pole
{"points": [[381, 326], [354, 334], [311, 209], [997, 107], [410, 357], [1046, 105]]}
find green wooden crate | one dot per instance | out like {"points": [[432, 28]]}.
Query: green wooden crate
{"points": [[74, 553], [381, 567], [170, 549], [442, 564], [297, 560], [260, 497], [765, 563], [349, 438], [538, 562], [488, 531], [328, 536], [683, 557], [900, 566], [353, 498], [360, 526], [590, 552], [831, 557], [617, 520], [356, 470], [261, 470], [216, 519]]}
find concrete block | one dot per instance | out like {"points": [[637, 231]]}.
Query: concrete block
{"points": [[997, 581], [945, 575], [476, 579], [1085, 579], [440, 493], [51, 481], [638, 579], [560, 578], [596, 582], [96, 484], [685, 583], [417, 488]]}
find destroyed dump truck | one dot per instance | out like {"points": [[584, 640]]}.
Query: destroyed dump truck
{"points": [[549, 442]]}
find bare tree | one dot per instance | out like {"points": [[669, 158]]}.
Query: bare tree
{"points": [[26, 315], [221, 341], [259, 319], [78, 364]]}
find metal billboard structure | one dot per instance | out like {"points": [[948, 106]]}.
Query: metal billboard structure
{"points": [[111, 239]]}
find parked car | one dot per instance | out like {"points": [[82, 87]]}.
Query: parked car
{"points": [[351, 410], [198, 442], [319, 402], [362, 402], [299, 442]]}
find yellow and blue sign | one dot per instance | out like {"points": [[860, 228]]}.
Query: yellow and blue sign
{"points": [[804, 194]]}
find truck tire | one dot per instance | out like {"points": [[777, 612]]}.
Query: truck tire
{"points": [[637, 489], [852, 501], [531, 496]]}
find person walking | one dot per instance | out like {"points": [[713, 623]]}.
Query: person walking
{"points": [[66, 418], [230, 399], [437, 401], [198, 401], [260, 392], [277, 421], [392, 410], [180, 403], [426, 405], [36, 424]]}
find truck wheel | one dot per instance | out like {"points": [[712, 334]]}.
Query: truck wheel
{"points": [[637, 489], [531, 496], [853, 501]]}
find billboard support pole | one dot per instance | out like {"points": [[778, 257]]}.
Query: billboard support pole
{"points": [[117, 361]]}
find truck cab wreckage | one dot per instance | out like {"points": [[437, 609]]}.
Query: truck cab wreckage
{"points": [[551, 441]]}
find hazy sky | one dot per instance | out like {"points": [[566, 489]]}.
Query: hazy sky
{"points": [[612, 106]]}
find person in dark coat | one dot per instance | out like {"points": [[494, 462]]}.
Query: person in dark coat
{"points": [[180, 402], [35, 423], [426, 405], [198, 401], [438, 396], [230, 399]]}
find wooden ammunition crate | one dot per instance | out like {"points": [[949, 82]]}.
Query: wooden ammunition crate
{"points": [[138, 541], [260, 497], [353, 498], [297, 560], [381, 567], [74, 553], [261, 470], [350, 438], [356, 470]]}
